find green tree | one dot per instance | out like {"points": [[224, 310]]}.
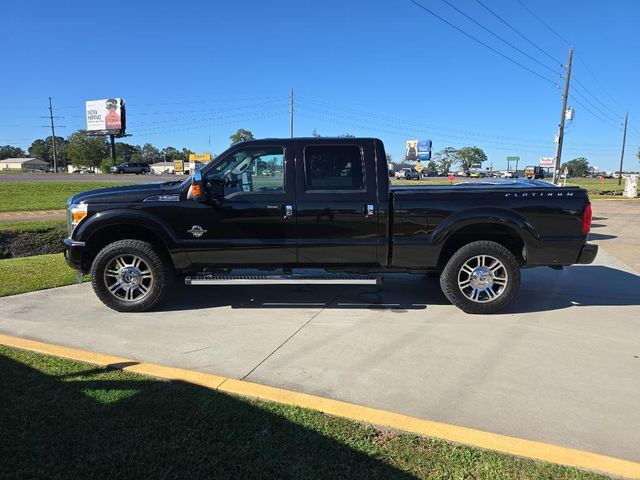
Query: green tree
{"points": [[87, 151], [241, 135], [578, 167], [169, 154], [150, 154], [7, 151], [42, 149], [431, 166], [446, 159], [107, 163], [470, 155], [185, 153], [125, 151]]}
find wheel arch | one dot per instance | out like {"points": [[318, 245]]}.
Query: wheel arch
{"points": [[502, 231], [103, 229]]}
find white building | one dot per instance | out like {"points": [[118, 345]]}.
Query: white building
{"points": [[24, 164], [162, 167]]}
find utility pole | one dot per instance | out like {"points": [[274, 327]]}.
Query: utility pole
{"points": [[291, 113], [53, 139], [565, 95], [624, 140]]}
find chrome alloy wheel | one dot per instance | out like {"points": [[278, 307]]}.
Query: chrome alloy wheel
{"points": [[482, 278], [128, 278]]}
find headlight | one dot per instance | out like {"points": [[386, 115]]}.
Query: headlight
{"points": [[77, 213]]}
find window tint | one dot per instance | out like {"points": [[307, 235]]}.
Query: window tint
{"points": [[333, 167], [251, 170]]}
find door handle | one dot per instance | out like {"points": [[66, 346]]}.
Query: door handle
{"points": [[368, 210], [288, 212]]}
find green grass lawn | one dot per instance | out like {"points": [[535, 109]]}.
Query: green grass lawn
{"points": [[66, 419], [27, 274], [21, 196]]}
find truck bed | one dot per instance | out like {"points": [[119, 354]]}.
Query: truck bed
{"points": [[427, 218]]}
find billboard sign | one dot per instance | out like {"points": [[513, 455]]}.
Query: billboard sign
{"points": [[547, 162], [411, 152], [424, 149], [106, 116], [178, 166]]}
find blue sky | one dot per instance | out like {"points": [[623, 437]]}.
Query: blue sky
{"points": [[192, 71]]}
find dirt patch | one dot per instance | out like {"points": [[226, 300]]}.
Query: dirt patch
{"points": [[19, 243]]}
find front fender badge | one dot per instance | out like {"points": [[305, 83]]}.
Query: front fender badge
{"points": [[197, 231]]}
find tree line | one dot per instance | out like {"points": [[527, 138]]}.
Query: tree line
{"points": [[82, 150]]}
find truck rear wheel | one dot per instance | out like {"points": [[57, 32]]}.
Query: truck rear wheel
{"points": [[130, 276], [481, 277]]}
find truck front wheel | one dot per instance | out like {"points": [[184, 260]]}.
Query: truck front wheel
{"points": [[130, 276], [481, 277]]}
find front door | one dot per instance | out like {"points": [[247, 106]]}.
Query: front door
{"points": [[254, 224], [337, 206]]}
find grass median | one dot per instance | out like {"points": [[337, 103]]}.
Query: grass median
{"points": [[63, 418], [29, 196], [27, 274]]}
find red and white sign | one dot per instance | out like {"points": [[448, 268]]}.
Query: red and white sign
{"points": [[547, 162]]}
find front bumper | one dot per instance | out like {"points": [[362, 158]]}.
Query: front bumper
{"points": [[73, 251], [587, 253]]}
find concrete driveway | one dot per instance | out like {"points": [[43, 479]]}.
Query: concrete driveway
{"points": [[562, 365]]}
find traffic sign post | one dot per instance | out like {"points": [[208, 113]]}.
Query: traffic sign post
{"points": [[419, 167]]}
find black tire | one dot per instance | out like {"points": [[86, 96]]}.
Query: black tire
{"points": [[109, 281], [471, 268]]}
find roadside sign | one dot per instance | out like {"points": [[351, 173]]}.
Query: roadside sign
{"points": [[547, 162], [566, 171], [451, 178], [178, 166], [513, 159], [199, 157], [419, 167]]}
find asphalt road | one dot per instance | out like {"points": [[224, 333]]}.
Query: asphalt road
{"points": [[561, 365]]}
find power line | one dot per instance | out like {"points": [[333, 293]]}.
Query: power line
{"points": [[596, 98], [603, 113], [392, 119], [484, 44], [584, 63], [592, 113], [520, 33], [544, 23], [501, 38]]}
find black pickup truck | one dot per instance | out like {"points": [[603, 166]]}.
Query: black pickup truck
{"points": [[285, 206]]}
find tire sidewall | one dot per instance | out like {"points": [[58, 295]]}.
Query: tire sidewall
{"points": [[449, 277]]}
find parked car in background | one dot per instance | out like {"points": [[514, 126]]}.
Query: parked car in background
{"points": [[408, 174], [508, 174], [137, 168], [82, 171]]}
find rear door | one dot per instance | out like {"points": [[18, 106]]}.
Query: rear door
{"points": [[337, 206]]}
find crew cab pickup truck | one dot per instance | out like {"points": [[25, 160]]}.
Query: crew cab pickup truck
{"points": [[328, 206]]}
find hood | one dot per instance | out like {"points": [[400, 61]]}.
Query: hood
{"points": [[126, 194]]}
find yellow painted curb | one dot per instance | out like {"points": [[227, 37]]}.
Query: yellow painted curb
{"points": [[452, 433]]}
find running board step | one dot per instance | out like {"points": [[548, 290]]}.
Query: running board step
{"points": [[337, 279]]}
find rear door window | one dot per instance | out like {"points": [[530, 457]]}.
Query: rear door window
{"points": [[334, 168]]}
